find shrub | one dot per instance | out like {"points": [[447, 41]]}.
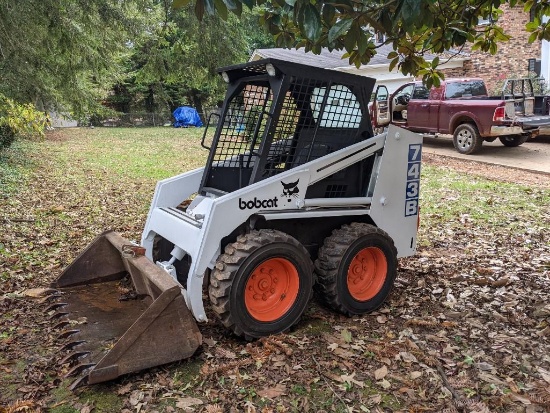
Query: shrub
{"points": [[19, 120]]}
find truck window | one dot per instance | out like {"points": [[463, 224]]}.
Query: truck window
{"points": [[421, 92], [456, 90]]}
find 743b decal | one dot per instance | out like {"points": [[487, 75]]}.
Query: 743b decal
{"points": [[413, 180]]}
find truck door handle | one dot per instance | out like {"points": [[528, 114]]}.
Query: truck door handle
{"points": [[425, 106]]}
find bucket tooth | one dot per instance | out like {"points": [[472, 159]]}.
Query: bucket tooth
{"points": [[78, 369], [61, 325], [72, 357], [67, 333], [55, 306], [81, 381], [70, 345], [58, 314]]}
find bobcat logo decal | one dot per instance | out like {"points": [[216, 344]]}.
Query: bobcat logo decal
{"points": [[290, 190]]}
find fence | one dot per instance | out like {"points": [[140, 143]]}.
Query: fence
{"points": [[141, 119]]}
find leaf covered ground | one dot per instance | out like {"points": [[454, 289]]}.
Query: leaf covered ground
{"points": [[467, 327]]}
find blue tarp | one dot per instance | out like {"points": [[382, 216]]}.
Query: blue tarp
{"points": [[186, 116]]}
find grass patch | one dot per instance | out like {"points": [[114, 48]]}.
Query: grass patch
{"points": [[103, 399], [15, 166], [138, 153], [458, 200], [187, 373]]}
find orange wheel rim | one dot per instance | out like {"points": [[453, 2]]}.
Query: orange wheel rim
{"points": [[367, 273], [272, 289]]}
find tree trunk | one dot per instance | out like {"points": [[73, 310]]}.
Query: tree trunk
{"points": [[197, 104]]}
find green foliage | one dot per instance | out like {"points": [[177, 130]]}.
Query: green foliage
{"points": [[174, 62], [64, 54], [19, 120], [413, 27]]}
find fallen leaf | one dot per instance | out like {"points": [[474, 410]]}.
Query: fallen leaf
{"points": [[346, 336], [186, 402], [385, 384], [382, 319], [351, 379], [87, 408], [544, 374], [518, 398], [415, 374], [272, 392], [124, 389], [380, 373], [38, 292]]}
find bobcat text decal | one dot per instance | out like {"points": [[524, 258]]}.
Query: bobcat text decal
{"points": [[258, 203]]}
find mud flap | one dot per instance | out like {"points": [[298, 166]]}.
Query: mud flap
{"points": [[120, 313]]}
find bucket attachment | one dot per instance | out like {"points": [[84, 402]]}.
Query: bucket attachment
{"points": [[120, 313]]}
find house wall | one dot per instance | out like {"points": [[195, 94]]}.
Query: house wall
{"points": [[512, 57]]}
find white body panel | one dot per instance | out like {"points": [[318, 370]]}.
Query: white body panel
{"points": [[199, 230]]}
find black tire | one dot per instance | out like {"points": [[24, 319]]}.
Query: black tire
{"points": [[466, 139], [246, 296], [512, 141], [337, 268]]}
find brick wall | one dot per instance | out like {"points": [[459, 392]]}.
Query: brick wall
{"points": [[512, 57]]}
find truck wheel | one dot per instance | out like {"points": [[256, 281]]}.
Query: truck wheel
{"points": [[512, 141], [466, 139], [356, 268], [262, 284]]}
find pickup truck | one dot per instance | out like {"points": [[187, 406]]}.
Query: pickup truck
{"points": [[462, 108]]}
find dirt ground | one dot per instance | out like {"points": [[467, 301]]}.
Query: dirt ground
{"points": [[466, 329]]}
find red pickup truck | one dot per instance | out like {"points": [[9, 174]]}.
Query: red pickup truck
{"points": [[462, 108]]}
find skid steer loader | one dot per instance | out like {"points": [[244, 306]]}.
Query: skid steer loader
{"points": [[296, 196]]}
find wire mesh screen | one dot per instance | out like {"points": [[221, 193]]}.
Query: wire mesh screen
{"points": [[244, 126], [315, 119]]}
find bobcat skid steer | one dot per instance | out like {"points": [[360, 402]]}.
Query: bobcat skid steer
{"points": [[297, 195]]}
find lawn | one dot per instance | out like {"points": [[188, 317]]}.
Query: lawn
{"points": [[466, 327]]}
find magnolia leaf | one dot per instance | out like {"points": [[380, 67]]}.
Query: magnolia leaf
{"points": [[221, 8], [199, 9], [311, 22], [178, 4], [339, 29], [235, 6], [328, 16]]}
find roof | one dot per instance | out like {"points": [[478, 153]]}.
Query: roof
{"points": [[300, 70], [326, 59]]}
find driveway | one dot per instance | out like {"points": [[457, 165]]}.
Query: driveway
{"points": [[533, 155]]}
